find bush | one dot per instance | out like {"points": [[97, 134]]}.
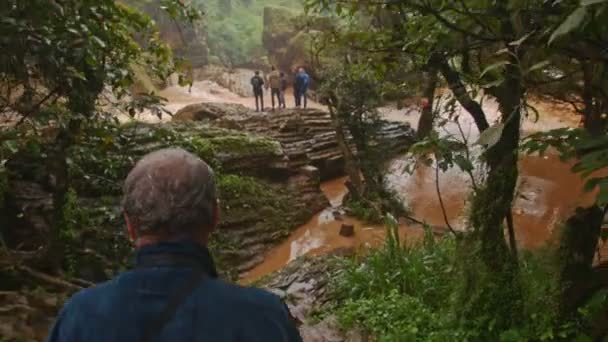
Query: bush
{"points": [[401, 293]]}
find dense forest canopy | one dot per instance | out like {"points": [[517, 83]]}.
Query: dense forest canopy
{"points": [[69, 68]]}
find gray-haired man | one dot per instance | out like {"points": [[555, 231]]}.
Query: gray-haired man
{"points": [[173, 294]]}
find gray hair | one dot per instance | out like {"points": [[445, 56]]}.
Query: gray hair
{"points": [[170, 191]]}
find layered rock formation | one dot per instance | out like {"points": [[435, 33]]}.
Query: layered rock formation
{"points": [[263, 197], [306, 136]]}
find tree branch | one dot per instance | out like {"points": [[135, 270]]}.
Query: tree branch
{"points": [[443, 211], [49, 279]]}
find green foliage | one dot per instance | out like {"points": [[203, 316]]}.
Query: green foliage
{"points": [[106, 151], [235, 36], [74, 48], [589, 152], [73, 221], [244, 145], [233, 186], [401, 293]]}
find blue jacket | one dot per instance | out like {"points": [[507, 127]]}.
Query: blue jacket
{"points": [[123, 308], [301, 82]]}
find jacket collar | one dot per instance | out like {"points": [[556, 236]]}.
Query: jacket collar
{"points": [[176, 254]]}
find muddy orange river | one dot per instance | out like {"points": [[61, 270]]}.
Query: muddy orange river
{"points": [[547, 192]]}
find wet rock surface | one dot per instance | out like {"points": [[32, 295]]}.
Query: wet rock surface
{"points": [[306, 136], [303, 285]]}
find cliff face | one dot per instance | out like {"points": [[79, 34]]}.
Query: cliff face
{"points": [[289, 39], [283, 39], [187, 40]]}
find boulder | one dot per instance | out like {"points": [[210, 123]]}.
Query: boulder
{"points": [[347, 230]]}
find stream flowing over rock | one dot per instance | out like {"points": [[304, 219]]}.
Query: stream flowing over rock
{"points": [[306, 136]]}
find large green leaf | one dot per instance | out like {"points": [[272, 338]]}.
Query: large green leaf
{"points": [[592, 2], [494, 66], [571, 23], [491, 136]]}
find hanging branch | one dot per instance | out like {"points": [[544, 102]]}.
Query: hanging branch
{"points": [[443, 211], [37, 106]]}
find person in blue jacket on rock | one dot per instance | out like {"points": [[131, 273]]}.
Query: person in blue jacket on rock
{"points": [[173, 293], [300, 87]]}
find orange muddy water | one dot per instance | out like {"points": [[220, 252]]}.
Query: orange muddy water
{"points": [[547, 191]]}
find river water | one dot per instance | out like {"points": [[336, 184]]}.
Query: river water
{"points": [[547, 192]]}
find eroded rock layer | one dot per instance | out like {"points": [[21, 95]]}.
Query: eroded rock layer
{"points": [[306, 136]]}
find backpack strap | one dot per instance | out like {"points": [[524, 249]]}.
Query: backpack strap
{"points": [[155, 326]]}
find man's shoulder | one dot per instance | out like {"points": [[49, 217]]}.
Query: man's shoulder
{"points": [[91, 295]]}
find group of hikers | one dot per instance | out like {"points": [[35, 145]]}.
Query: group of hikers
{"points": [[277, 82]]}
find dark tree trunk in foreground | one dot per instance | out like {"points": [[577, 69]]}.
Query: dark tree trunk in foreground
{"points": [[59, 182], [592, 112], [577, 248], [460, 93]]}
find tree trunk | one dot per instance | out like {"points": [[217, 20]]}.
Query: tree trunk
{"points": [[592, 113], [427, 117], [491, 205], [460, 92], [59, 183], [576, 252], [352, 168]]}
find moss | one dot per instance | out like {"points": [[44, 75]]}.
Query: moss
{"points": [[247, 192], [244, 145]]}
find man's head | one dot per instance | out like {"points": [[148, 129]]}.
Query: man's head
{"points": [[300, 69], [282, 74], [170, 194], [257, 73], [273, 68]]}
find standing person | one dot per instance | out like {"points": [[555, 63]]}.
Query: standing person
{"points": [[173, 294], [257, 82], [301, 84], [274, 81], [282, 92]]}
